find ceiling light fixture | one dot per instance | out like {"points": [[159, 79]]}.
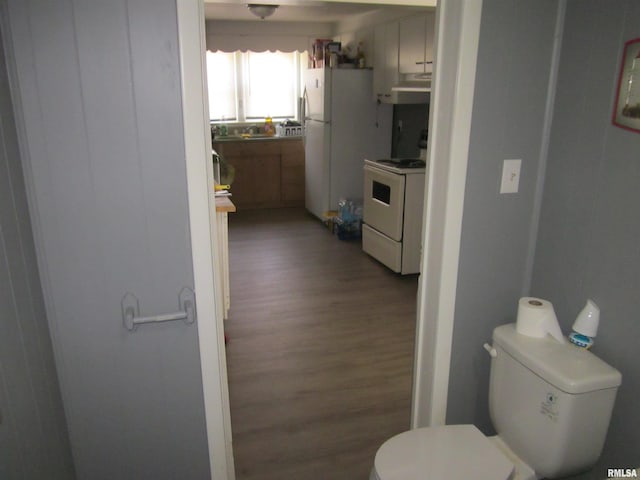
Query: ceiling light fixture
{"points": [[262, 11]]}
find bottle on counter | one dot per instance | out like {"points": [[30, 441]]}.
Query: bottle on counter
{"points": [[361, 61], [269, 128], [224, 130]]}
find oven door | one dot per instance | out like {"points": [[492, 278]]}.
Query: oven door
{"points": [[384, 201]]}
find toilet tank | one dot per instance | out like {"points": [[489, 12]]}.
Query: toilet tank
{"points": [[550, 402]]}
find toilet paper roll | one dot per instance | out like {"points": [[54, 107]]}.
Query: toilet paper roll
{"points": [[537, 318]]}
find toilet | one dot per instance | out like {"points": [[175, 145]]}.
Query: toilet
{"points": [[549, 402]]}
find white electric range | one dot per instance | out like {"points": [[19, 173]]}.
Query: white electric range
{"points": [[393, 209]]}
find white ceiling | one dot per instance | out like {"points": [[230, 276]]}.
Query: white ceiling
{"points": [[289, 10]]}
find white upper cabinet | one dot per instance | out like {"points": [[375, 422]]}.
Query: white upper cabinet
{"points": [[416, 44], [385, 60]]}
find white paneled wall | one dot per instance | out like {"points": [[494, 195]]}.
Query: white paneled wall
{"points": [[100, 97], [33, 436]]}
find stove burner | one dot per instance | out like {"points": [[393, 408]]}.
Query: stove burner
{"points": [[404, 162]]}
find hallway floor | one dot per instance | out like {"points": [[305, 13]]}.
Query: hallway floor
{"points": [[320, 354]]}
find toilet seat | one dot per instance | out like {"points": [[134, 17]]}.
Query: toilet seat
{"points": [[452, 452]]}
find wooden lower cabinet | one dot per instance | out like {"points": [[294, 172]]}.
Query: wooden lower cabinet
{"points": [[268, 174], [266, 185], [292, 174]]}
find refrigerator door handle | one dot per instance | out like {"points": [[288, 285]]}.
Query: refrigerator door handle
{"points": [[324, 122], [304, 101], [302, 105]]}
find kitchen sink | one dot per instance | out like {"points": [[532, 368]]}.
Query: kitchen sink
{"points": [[246, 136], [255, 135]]}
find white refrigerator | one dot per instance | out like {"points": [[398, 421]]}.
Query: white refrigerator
{"points": [[343, 126]]}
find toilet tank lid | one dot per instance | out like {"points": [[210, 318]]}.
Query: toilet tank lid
{"points": [[567, 367]]}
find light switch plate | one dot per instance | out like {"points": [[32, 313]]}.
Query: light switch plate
{"points": [[510, 176]]}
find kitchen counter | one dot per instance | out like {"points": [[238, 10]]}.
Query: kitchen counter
{"points": [[224, 204], [255, 138]]}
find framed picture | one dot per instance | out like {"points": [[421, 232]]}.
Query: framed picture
{"points": [[626, 112]]}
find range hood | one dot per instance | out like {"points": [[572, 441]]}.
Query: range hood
{"points": [[413, 82], [412, 88]]}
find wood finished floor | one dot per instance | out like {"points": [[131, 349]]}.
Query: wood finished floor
{"points": [[321, 350]]}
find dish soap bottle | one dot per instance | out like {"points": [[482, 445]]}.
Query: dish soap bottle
{"points": [[268, 126]]}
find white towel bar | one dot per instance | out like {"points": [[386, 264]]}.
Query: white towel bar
{"points": [[131, 311]]}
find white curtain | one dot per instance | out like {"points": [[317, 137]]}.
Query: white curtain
{"points": [[258, 43]]}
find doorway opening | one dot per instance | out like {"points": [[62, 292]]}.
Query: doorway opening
{"points": [[311, 318], [457, 44]]}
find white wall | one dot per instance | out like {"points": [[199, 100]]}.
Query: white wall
{"points": [[230, 36]]}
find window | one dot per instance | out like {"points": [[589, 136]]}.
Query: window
{"points": [[221, 80], [250, 86]]}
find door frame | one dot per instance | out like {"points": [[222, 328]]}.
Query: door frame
{"points": [[204, 237], [457, 32]]}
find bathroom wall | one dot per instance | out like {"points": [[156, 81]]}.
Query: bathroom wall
{"points": [[586, 243], [589, 237], [515, 46], [34, 443]]}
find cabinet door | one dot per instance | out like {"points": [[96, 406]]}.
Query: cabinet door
{"points": [[266, 180], [379, 61], [416, 44], [429, 51], [292, 174], [412, 44], [385, 70], [391, 64], [235, 154], [242, 186]]}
